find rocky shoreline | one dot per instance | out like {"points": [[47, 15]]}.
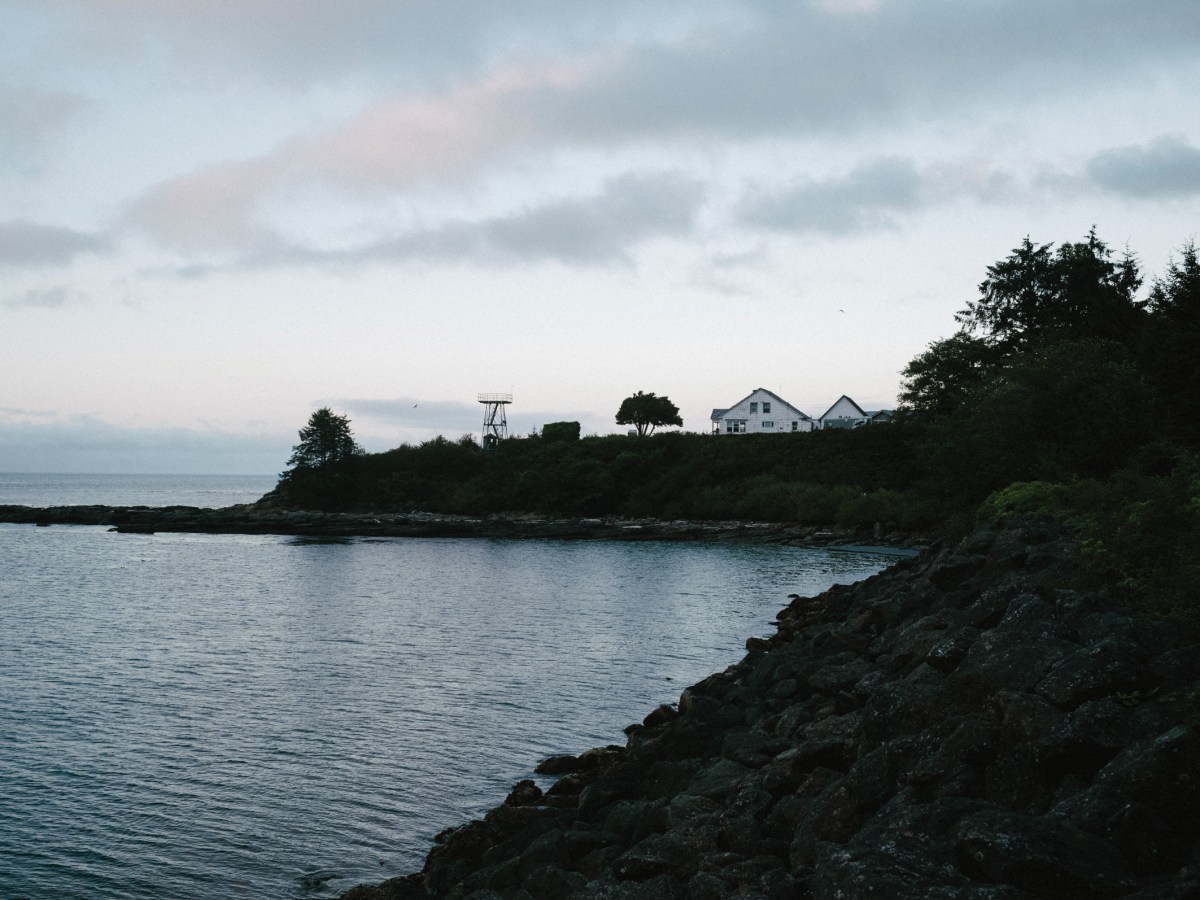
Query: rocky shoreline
{"points": [[963, 725], [266, 519]]}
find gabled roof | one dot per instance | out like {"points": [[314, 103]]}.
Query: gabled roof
{"points": [[839, 400], [718, 413]]}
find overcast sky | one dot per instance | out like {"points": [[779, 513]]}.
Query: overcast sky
{"points": [[218, 215]]}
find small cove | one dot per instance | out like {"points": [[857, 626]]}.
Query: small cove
{"points": [[200, 715]]}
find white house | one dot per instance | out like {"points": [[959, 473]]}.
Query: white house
{"points": [[845, 413], [762, 412]]}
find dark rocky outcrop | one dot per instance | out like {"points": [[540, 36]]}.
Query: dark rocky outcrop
{"points": [[960, 726], [267, 518]]}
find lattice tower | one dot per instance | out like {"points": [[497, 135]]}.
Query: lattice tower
{"points": [[495, 421]]}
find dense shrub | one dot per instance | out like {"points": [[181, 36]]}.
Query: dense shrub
{"points": [[822, 478], [561, 432], [1137, 531]]}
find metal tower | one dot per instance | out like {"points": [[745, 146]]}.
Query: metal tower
{"points": [[495, 422]]}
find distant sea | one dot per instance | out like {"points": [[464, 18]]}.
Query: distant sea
{"points": [[133, 490], [192, 716]]}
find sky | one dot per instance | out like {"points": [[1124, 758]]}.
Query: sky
{"points": [[217, 216]]}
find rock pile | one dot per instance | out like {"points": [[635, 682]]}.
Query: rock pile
{"points": [[960, 726]]}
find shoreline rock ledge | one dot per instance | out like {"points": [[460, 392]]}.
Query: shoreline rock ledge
{"points": [[962, 725], [268, 519]]}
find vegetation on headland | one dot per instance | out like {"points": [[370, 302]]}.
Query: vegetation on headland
{"points": [[645, 412], [1066, 395], [321, 462], [1061, 392], [843, 477]]}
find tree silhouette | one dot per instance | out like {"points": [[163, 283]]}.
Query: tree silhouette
{"points": [[1036, 297], [1170, 344], [325, 442], [1039, 294], [645, 412]]}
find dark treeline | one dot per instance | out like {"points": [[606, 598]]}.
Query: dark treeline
{"points": [[1066, 390], [826, 477], [1064, 394]]}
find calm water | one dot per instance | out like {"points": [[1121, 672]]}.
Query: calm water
{"points": [[133, 490], [197, 716]]}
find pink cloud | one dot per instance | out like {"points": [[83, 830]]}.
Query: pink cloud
{"points": [[399, 142], [392, 145], [210, 208]]}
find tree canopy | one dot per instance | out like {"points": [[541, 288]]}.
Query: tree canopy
{"points": [[645, 412], [1037, 296], [1037, 293], [1176, 297], [325, 442], [1059, 370], [940, 380], [1064, 409], [1170, 345]]}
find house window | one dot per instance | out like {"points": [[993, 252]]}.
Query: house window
{"points": [[768, 424], [735, 426], [753, 408], [795, 425], [766, 407]]}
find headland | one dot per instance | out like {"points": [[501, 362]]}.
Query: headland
{"points": [[963, 725], [256, 519]]}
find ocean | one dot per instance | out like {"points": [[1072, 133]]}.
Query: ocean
{"points": [[212, 491], [197, 716]]}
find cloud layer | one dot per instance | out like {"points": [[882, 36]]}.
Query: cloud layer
{"points": [[39, 443], [1167, 168], [220, 210], [799, 75], [24, 243]]}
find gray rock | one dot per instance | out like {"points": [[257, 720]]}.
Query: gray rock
{"points": [[552, 883], [658, 854], [1106, 667], [718, 780], [1044, 856], [951, 650]]}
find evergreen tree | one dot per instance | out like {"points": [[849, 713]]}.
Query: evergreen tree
{"points": [[325, 442], [1038, 294], [321, 475], [940, 381], [1036, 297], [1170, 345]]}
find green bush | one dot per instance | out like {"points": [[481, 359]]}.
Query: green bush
{"points": [[1042, 498], [1137, 533]]}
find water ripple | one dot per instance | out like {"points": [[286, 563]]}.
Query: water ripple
{"points": [[190, 716]]}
